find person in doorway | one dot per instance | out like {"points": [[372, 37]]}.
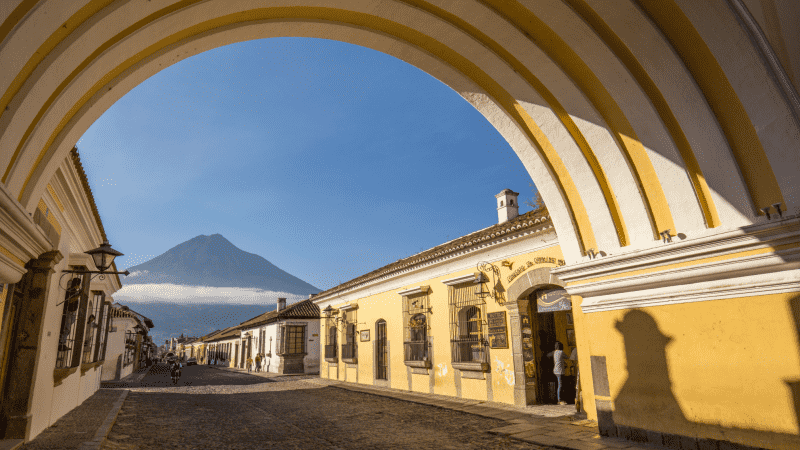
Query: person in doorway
{"points": [[558, 367], [258, 363], [249, 363]]}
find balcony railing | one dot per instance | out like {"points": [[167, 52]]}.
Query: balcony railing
{"points": [[416, 351], [349, 351], [330, 351], [469, 350]]}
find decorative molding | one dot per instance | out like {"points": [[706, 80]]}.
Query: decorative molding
{"points": [[508, 231], [469, 278], [415, 290], [434, 269], [747, 286], [471, 366], [426, 364], [671, 280], [744, 239], [348, 307]]}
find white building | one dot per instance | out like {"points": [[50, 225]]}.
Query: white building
{"points": [[287, 339], [56, 358], [126, 343]]}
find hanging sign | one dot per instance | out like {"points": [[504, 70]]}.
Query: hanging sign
{"points": [[553, 300], [498, 336], [527, 348]]}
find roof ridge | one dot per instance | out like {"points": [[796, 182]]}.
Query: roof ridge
{"points": [[526, 220]]}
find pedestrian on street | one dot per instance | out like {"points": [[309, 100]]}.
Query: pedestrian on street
{"points": [[249, 364], [558, 368], [258, 363]]}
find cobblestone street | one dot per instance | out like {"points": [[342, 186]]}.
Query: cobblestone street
{"points": [[213, 408]]}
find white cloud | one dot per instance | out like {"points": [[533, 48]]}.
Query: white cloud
{"points": [[177, 293]]}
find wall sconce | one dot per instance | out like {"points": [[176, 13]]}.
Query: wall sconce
{"points": [[333, 314], [666, 236], [484, 266]]}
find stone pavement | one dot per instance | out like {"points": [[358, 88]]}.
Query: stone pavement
{"points": [[231, 409], [529, 424], [287, 413]]}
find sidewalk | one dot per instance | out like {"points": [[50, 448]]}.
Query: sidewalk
{"points": [[133, 378], [269, 375], [85, 427], [528, 424]]}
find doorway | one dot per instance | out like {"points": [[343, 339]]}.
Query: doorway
{"points": [[552, 322]]}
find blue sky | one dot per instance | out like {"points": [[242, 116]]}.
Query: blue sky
{"points": [[328, 159]]}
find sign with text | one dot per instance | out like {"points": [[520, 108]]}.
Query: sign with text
{"points": [[553, 300], [498, 335]]}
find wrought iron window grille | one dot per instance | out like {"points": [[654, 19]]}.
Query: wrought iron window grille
{"points": [[467, 325], [416, 315]]}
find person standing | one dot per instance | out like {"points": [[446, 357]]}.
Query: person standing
{"points": [[258, 363], [558, 367], [249, 363]]}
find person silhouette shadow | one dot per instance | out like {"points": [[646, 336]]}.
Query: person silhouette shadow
{"points": [[646, 400]]}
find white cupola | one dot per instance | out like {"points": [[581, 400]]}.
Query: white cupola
{"points": [[507, 206]]}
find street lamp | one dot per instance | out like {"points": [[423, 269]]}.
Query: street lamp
{"points": [[330, 313], [103, 257]]}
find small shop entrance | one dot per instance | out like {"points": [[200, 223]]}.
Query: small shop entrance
{"points": [[552, 321]]}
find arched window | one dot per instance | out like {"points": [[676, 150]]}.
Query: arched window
{"points": [[467, 313]]}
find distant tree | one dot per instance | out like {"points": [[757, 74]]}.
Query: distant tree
{"points": [[537, 204]]}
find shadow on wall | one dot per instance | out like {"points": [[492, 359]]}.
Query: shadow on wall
{"points": [[647, 405]]}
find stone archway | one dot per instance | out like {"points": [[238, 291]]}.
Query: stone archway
{"points": [[518, 307]]}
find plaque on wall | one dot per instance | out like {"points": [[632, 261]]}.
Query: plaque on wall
{"points": [[498, 335], [551, 300], [364, 335]]}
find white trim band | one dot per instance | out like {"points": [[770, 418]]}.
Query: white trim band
{"points": [[470, 278], [414, 290]]}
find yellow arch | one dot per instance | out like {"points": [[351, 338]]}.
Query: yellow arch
{"points": [[730, 113], [659, 102], [557, 168], [555, 106], [633, 150]]}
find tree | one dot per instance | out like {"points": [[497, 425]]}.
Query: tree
{"points": [[538, 203]]}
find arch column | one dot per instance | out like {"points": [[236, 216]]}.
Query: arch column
{"points": [[518, 308], [27, 328]]}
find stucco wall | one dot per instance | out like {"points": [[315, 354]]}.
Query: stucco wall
{"points": [[441, 378]]}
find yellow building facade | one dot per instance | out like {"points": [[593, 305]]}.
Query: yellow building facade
{"points": [[681, 365], [452, 319]]}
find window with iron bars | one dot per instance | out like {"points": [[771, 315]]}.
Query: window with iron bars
{"points": [[105, 325], [130, 347], [332, 342], [69, 319], [293, 339], [467, 325], [350, 345], [416, 315], [92, 329]]}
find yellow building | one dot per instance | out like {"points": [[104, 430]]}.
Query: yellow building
{"points": [[459, 319], [476, 317]]}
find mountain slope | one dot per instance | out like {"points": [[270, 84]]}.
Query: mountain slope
{"points": [[214, 261]]}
